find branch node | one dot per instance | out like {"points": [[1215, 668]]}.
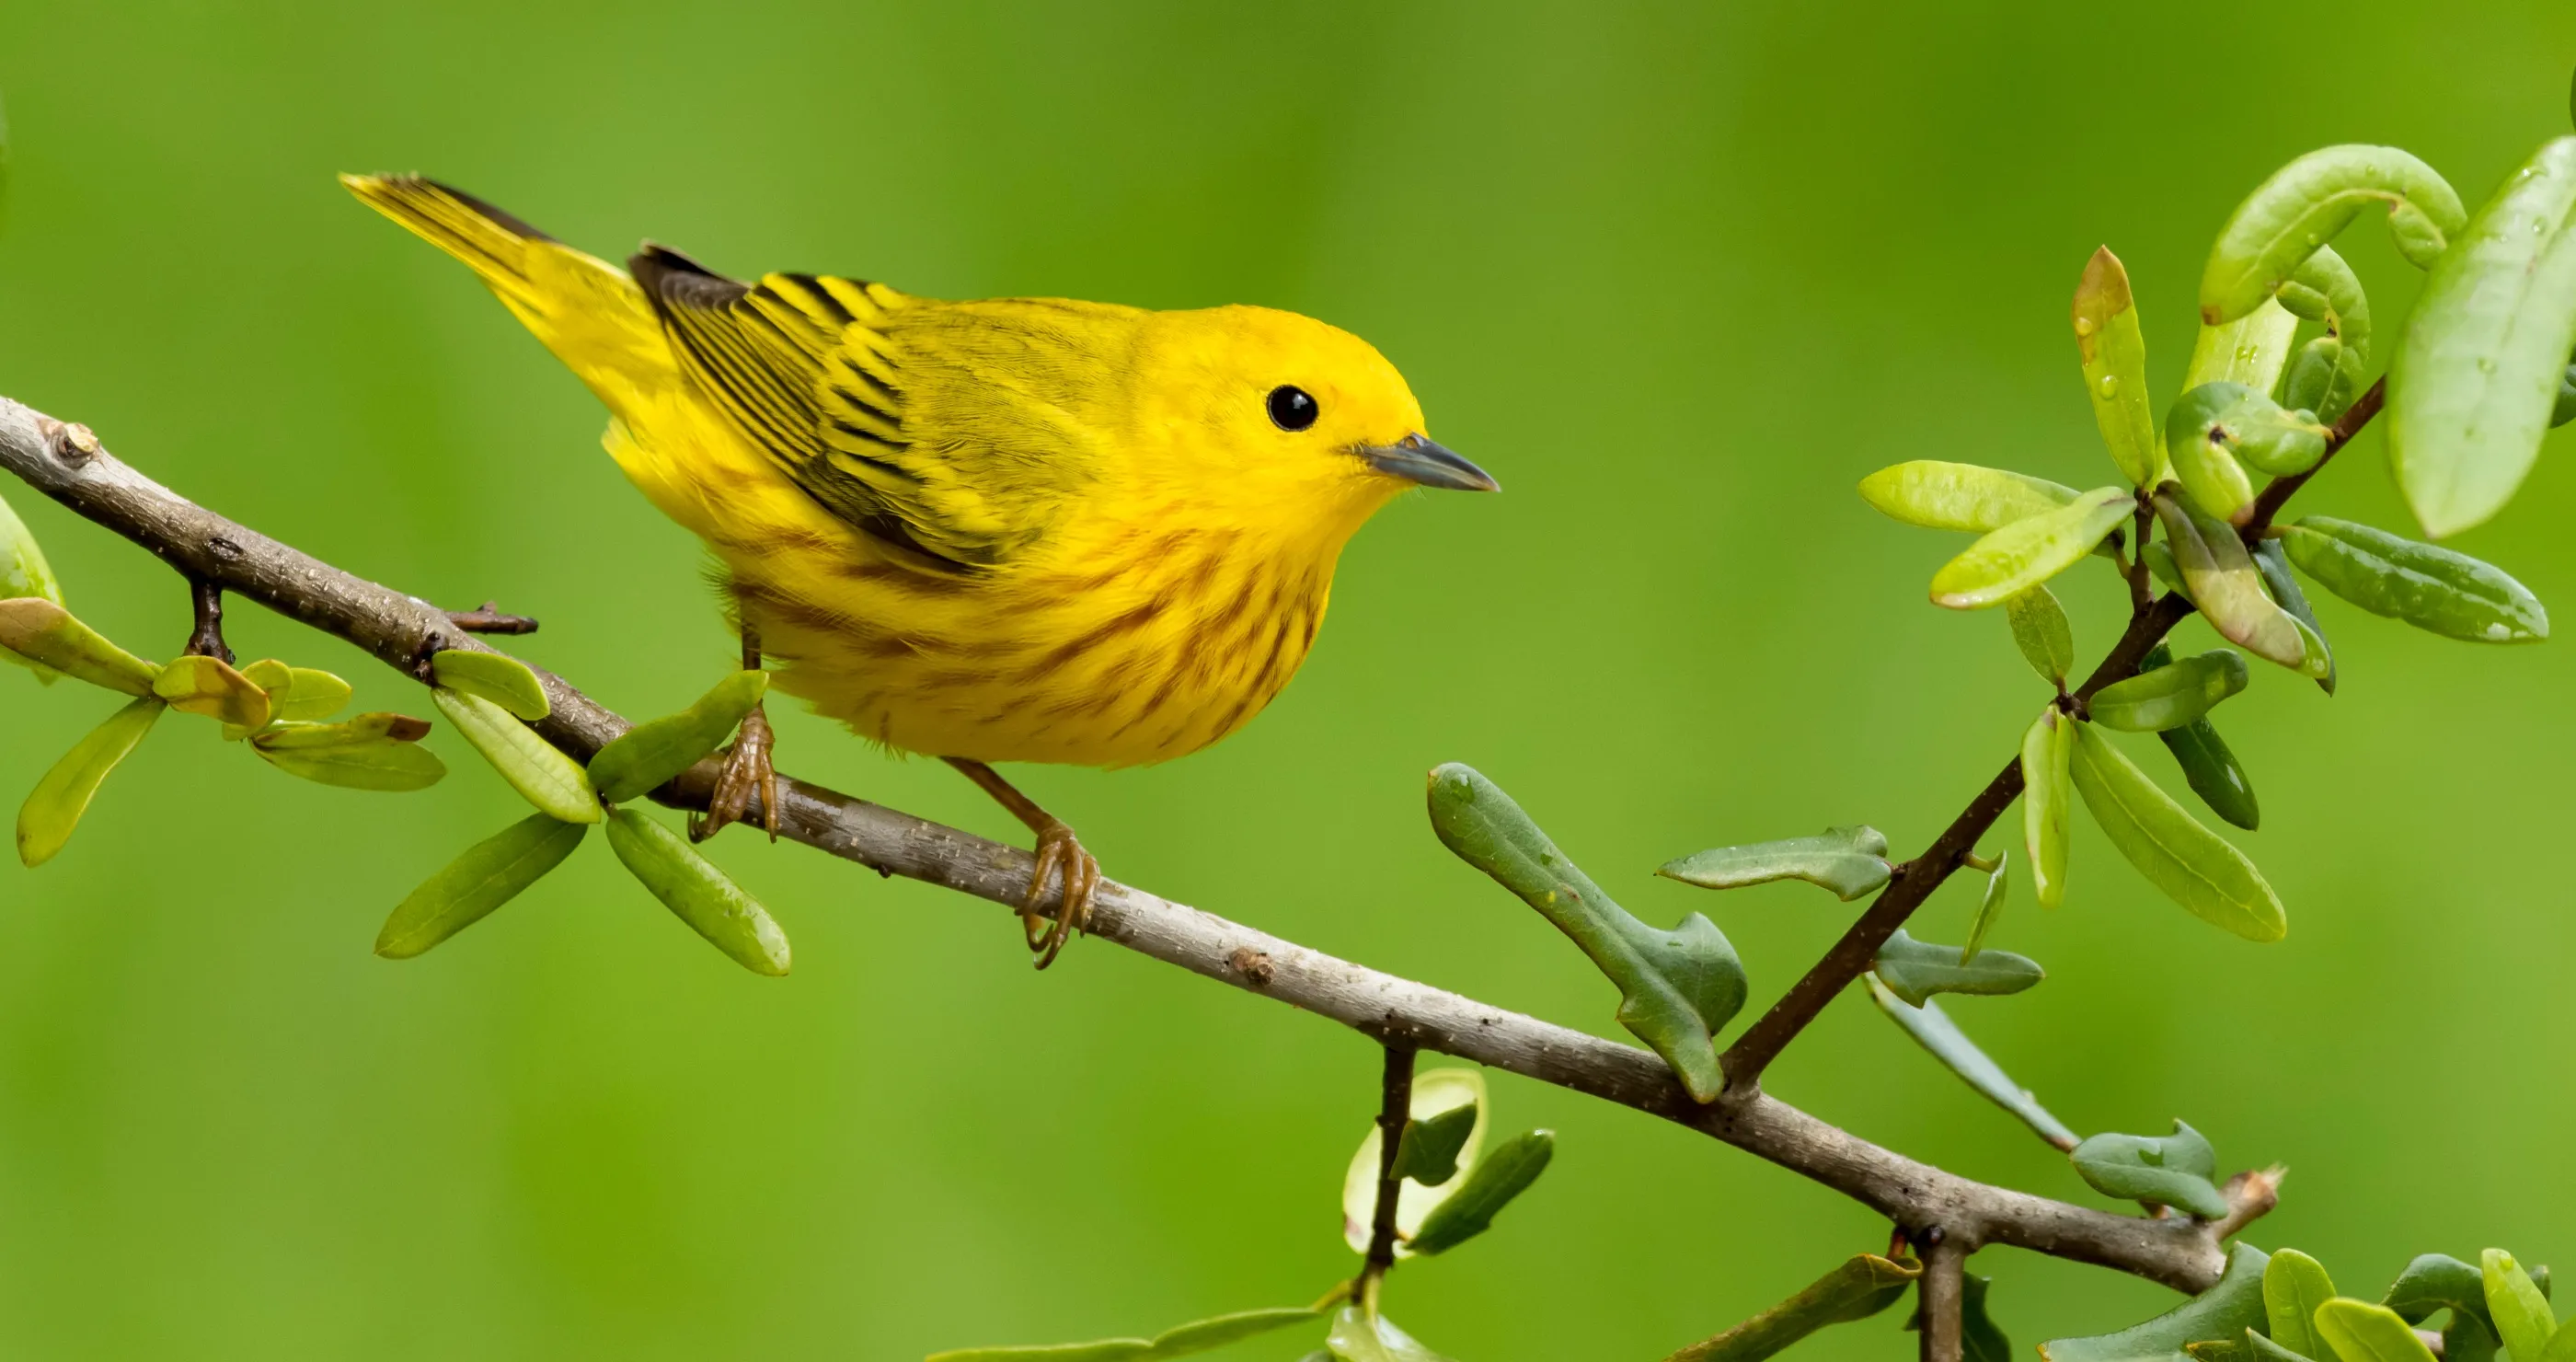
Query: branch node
{"points": [[72, 442]]}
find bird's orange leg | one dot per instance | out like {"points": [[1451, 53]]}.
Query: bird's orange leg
{"points": [[1059, 853], [746, 768]]}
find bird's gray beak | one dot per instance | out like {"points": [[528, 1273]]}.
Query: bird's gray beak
{"points": [[1416, 459]]}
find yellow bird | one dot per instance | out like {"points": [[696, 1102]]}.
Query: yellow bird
{"points": [[1018, 529]]}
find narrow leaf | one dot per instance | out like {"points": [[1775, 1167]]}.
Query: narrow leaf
{"points": [[1428, 1153], [1915, 970], [2361, 1332], [2047, 781], [2206, 762], [2225, 586], [42, 632], [639, 761], [545, 777], [2040, 630], [2272, 562], [497, 677], [1856, 1289], [2028, 552], [207, 686], [46, 820], [1932, 1029], [2521, 1315], [1849, 861], [1437, 1093], [2224, 1311], [377, 726], [1506, 1171], [2475, 377], [2173, 1170], [1181, 1340], [697, 893], [2432, 588], [489, 874], [2306, 203], [2192, 865], [389, 765], [2115, 368], [1960, 496], [2169, 696], [1990, 907], [1677, 987], [2294, 1285]]}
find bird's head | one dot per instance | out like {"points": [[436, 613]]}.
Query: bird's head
{"points": [[1274, 411]]}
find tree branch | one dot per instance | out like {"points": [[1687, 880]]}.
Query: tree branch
{"points": [[1942, 1294], [67, 463]]}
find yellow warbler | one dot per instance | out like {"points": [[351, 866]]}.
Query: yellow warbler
{"points": [[1023, 529]]}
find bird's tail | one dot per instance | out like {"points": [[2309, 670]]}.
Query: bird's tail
{"points": [[585, 310]]}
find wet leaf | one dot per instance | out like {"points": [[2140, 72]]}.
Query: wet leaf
{"points": [[2115, 368], [1197, 1336], [1857, 1289], [2272, 562], [2169, 696], [63, 794], [2224, 1311], [2047, 790], [2248, 425], [2173, 1170], [1960, 496], [501, 679], [2521, 1315], [2361, 1332], [1932, 1029], [2040, 630], [2474, 381], [2294, 1285], [1358, 1336], [1990, 907], [2432, 588], [1428, 1153], [42, 632], [1849, 861], [2192, 865], [2326, 290], [2306, 203], [489, 874], [1506, 1171], [545, 777], [369, 752], [207, 686], [639, 761], [2207, 469], [697, 893], [1437, 1093], [1677, 987], [1915, 970], [2250, 350], [2028, 552], [2225, 586]]}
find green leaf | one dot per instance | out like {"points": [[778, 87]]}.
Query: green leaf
{"points": [[1980, 1338], [2306, 203], [2326, 290], [2115, 368], [358, 761], [2361, 1332], [209, 687], [1932, 1029], [640, 760], [62, 795], [1503, 1173], [2169, 696], [297, 693], [1197, 1336], [2191, 864], [1990, 907], [2040, 630], [2225, 586], [2272, 562], [1359, 1335], [2522, 1317], [1677, 988], [1915, 970], [1428, 1153], [2565, 410], [377, 726], [697, 893], [2047, 789], [2249, 350], [2224, 1311], [2028, 552], [2294, 1285], [2175, 1170], [23, 570], [2562, 1345], [2216, 426], [1437, 1093], [2207, 469], [1960, 496], [42, 632], [489, 874], [2261, 1349], [1856, 1289], [2160, 561], [1849, 861], [2437, 1281], [543, 776], [2432, 588], [497, 677], [2474, 381], [2206, 761]]}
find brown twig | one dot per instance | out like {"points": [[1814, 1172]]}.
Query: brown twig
{"points": [[1394, 1112], [1942, 1293], [207, 638], [488, 619]]}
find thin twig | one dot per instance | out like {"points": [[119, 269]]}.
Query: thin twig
{"points": [[1394, 1112], [393, 628], [488, 619], [2279, 490], [207, 638]]}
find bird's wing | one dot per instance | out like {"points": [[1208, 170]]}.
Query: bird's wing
{"points": [[801, 364]]}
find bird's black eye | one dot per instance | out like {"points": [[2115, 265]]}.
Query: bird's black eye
{"points": [[1292, 409]]}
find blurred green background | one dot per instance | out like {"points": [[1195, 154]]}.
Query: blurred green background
{"points": [[1679, 277]]}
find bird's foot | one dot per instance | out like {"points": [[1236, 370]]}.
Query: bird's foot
{"points": [[1061, 855], [746, 769]]}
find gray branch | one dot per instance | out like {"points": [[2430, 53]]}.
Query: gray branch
{"points": [[67, 463]]}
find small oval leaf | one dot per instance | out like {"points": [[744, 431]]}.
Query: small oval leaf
{"points": [[63, 794], [696, 892], [2172, 1170], [2432, 588], [2169, 696], [2361, 1332], [497, 677], [638, 761], [545, 777], [2028, 552], [43, 632], [1960, 496], [1915, 970], [2294, 1285], [2192, 865], [2306, 203], [2041, 631], [489, 874]]}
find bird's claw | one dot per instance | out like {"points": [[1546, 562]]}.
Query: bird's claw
{"points": [[746, 770], [1060, 856]]}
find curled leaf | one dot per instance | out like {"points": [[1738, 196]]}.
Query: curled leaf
{"points": [[640, 760], [2306, 203], [545, 777], [489, 874], [2028, 552], [697, 893], [1915, 970], [2115, 368], [2326, 290], [2173, 1170], [2193, 866], [1960, 496], [2169, 696], [2432, 588], [63, 794], [1849, 861], [1932, 1029], [42, 632]]}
